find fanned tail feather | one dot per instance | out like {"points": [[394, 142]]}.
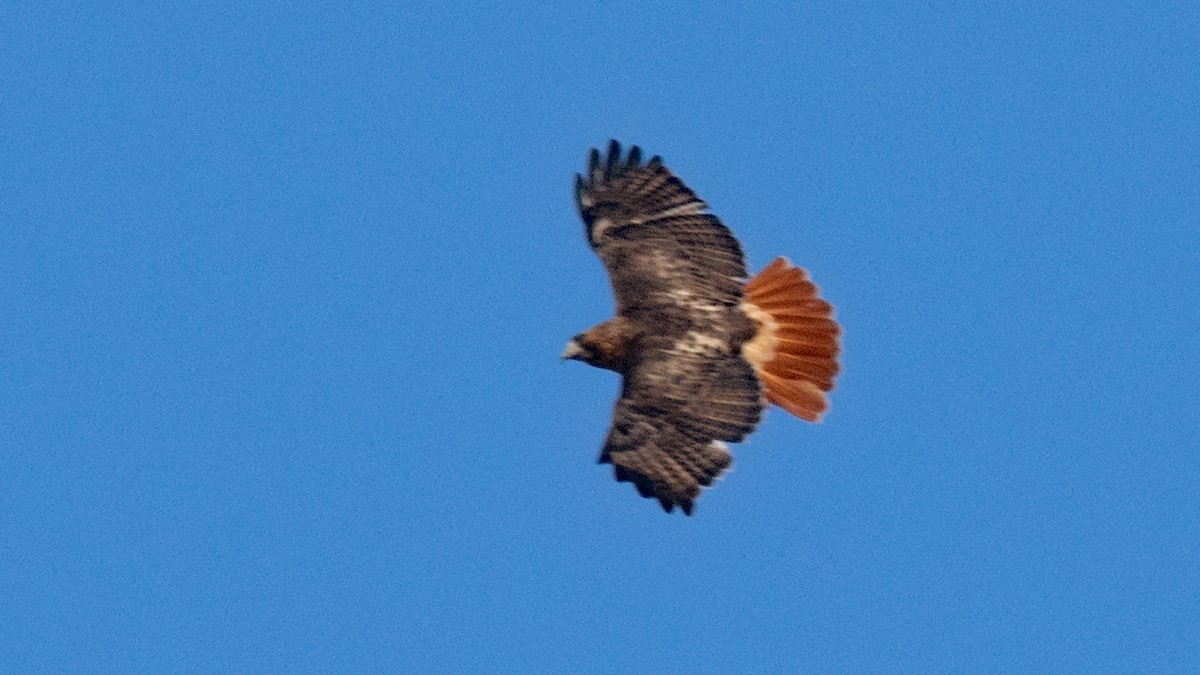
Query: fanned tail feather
{"points": [[796, 346]]}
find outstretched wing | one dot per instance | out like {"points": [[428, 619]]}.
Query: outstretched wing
{"points": [[677, 275], [677, 407], [661, 250]]}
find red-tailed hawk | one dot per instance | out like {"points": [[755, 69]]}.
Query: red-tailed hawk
{"points": [[701, 351]]}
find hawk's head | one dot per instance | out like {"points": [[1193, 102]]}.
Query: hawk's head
{"points": [[603, 346], [583, 348], [577, 350]]}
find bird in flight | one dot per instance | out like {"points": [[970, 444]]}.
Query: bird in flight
{"points": [[701, 350]]}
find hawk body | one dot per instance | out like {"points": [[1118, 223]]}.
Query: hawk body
{"points": [[690, 349]]}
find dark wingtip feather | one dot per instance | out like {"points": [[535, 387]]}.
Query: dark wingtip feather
{"points": [[635, 158], [655, 161], [646, 488], [593, 163], [611, 167]]}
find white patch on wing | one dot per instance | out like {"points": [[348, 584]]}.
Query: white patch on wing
{"points": [[681, 296], [685, 298], [695, 343], [720, 445], [708, 340], [598, 228], [689, 209]]}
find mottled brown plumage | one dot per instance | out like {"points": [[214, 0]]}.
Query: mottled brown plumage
{"points": [[698, 361]]}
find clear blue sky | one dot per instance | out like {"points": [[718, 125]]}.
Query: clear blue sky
{"points": [[283, 287]]}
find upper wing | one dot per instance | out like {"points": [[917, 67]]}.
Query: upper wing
{"points": [[664, 255], [677, 405]]}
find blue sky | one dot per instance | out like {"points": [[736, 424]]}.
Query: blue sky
{"points": [[284, 288]]}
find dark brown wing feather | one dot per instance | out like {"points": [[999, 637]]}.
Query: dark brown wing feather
{"points": [[652, 234], [677, 275], [674, 411]]}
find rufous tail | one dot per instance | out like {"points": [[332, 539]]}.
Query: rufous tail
{"points": [[796, 345]]}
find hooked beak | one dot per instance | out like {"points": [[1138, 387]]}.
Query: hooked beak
{"points": [[572, 351]]}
